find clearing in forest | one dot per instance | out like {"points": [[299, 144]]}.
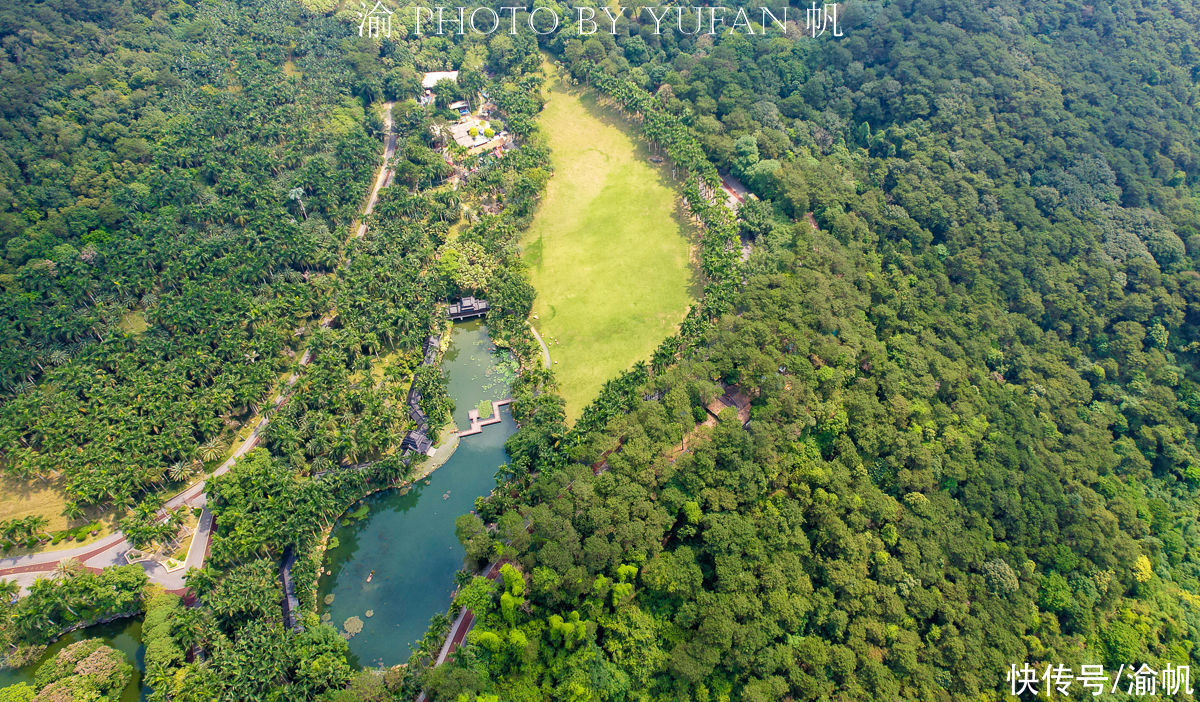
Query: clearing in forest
{"points": [[608, 250]]}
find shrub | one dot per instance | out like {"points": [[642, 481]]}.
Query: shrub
{"points": [[84, 670], [21, 692]]}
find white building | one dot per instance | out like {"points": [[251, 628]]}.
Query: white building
{"points": [[433, 77]]}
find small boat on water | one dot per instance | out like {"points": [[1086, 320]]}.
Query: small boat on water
{"points": [[370, 575]]}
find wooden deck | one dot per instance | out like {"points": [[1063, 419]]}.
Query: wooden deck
{"points": [[478, 424]]}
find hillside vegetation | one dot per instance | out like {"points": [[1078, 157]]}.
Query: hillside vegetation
{"points": [[167, 192], [973, 386], [972, 438]]}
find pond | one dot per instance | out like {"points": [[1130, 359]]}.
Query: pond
{"points": [[125, 635], [407, 538]]}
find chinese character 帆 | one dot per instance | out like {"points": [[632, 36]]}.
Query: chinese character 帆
{"points": [[1176, 679], [375, 22], [820, 18]]}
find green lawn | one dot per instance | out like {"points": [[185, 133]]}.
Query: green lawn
{"points": [[608, 250]]}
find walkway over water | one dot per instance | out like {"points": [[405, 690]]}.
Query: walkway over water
{"points": [[407, 539]]}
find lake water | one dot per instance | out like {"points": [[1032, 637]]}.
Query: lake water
{"points": [[125, 635], [408, 539]]}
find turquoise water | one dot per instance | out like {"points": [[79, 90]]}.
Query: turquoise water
{"points": [[408, 539], [125, 635]]}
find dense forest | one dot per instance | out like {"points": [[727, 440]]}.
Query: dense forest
{"points": [[229, 245], [174, 177], [972, 437], [966, 328]]}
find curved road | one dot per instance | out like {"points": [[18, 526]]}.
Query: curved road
{"points": [[545, 351], [111, 549]]}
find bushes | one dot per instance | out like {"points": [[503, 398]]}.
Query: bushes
{"points": [[26, 532], [21, 692], [85, 670], [163, 652]]}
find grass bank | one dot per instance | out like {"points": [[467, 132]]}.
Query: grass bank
{"points": [[609, 249]]}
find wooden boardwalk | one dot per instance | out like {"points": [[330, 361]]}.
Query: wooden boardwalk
{"points": [[478, 424]]}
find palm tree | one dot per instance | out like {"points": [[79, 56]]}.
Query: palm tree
{"points": [[36, 525], [179, 471], [67, 569], [297, 194], [59, 357], [210, 450], [73, 511], [9, 589]]}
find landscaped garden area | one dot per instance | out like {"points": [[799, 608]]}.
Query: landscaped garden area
{"points": [[608, 254]]}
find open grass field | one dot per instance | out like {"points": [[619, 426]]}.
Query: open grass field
{"points": [[23, 499], [20, 499], [609, 251]]}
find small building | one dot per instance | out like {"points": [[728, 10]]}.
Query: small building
{"points": [[733, 398], [418, 416], [735, 192], [498, 144], [416, 441], [433, 344], [431, 79], [461, 107], [461, 133], [467, 308]]}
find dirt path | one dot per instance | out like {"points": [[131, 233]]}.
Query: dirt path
{"points": [[389, 150]]}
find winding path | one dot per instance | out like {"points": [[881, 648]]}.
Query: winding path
{"points": [[545, 351], [111, 550]]}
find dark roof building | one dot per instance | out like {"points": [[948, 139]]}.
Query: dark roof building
{"points": [[433, 344], [468, 308], [418, 416], [291, 603], [416, 441]]}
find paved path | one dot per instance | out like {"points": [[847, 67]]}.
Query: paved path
{"points": [[478, 424], [111, 550], [389, 149], [545, 351], [461, 626]]}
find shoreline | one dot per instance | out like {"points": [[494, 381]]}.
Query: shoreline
{"points": [[442, 454], [36, 652]]}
